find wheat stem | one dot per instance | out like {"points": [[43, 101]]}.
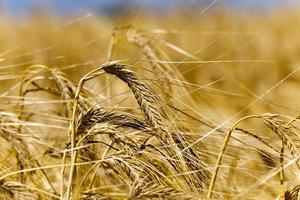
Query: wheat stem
{"points": [[223, 149]]}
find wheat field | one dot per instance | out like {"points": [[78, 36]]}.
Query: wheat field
{"points": [[145, 107]]}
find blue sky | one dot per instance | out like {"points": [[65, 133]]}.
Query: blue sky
{"points": [[69, 6]]}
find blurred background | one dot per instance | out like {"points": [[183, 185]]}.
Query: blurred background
{"points": [[111, 7], [243, 47]]}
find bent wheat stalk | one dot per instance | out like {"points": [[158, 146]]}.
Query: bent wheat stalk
{"points": [[223, 149], [72, 128]]}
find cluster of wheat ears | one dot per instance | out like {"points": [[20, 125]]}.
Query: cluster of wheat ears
{"points": [[139, 152]]}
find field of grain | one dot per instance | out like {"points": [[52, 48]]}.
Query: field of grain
{"points": [[150, 107]]}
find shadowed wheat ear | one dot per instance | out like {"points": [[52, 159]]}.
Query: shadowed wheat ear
{"points": [[27, 192], [14, 190], [95, 196], [157, 191], [11, 134], [99, 115], [292, 194]]}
